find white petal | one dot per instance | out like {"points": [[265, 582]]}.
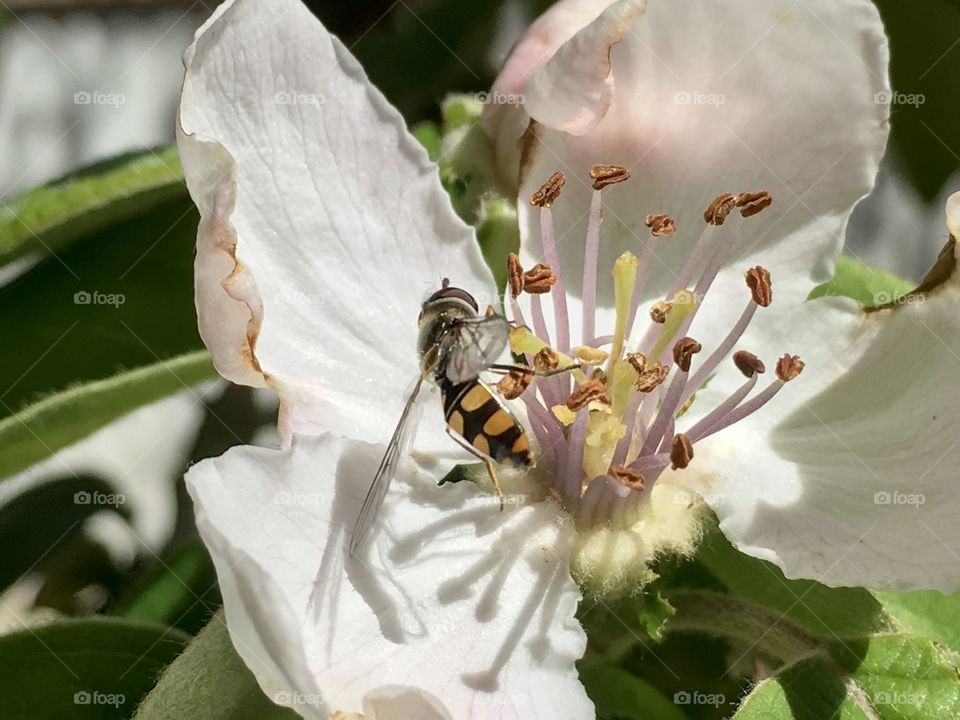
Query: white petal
{"points": [[857, 485], [324, 225], [452, 599], [716, 96]]}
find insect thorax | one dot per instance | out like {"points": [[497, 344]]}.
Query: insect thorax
{"points": [[436, 318]]}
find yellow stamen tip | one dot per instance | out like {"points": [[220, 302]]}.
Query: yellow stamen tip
{"points": [[564, 414]]}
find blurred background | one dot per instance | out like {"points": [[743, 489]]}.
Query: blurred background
{"points": [[91, 462]]}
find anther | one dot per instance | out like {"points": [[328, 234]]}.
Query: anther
{"points": [[789, 366], [651, 378], [748, 363], [684, 350], [538, 279], [681, 452], [638, 361], [604, 175], [590, 391], [628, 477], [545, 360], [548, 193], [512, 385], [660, 310], [752, 203], [590, 355], [720, 209], [514, 274], [761, 287], [660, 225]]}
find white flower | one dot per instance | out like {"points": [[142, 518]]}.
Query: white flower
{"points": [[323, 229]]}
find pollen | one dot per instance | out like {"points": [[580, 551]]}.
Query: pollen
{"points": [[604, 175], [548, 193], [660, 225], [590, 391]]}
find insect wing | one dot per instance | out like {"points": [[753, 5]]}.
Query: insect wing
{"points": [[397, 447], [475, 345]]}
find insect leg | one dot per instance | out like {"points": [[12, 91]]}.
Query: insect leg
{"points": [[491, 470], [507, 369]]}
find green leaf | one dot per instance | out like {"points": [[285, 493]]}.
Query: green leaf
{"points": [[499, 235], [210, 682], [121, 300], [66, 417], [428, 134], [80, 669], [50, 217], [622, 695], [927, 613], [868, 286], [180, 591]]}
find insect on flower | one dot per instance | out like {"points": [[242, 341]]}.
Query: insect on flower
{"points": [[456, 344]]}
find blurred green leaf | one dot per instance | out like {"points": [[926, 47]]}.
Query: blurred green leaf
{"points": [[83, 669], [48, 218], [809, 690], [210, 682], [428, 134], [868, 286], [45, 516], [927, 613], [122, 299], [624, 696], [61, 419], [181, 590]]}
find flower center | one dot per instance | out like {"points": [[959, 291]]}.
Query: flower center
{"points": [[608, 429]]}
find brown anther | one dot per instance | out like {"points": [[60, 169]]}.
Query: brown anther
{"points": [[490, 312], [514, 274], [660, 310], [660, 225], [760, 284], [539, 279], [681, 452], [512, 385], [720, 209], [748, 363], [684, 350], [628, 477], [604, 175], [652, 378], [789, 366], [752, 203], [599, 375], [590, 391], [546, 360], [638, 361], [548, 193]]}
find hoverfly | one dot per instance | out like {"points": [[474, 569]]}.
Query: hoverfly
{"points": [[456, 344]]}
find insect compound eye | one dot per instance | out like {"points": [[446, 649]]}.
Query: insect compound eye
{"points": [[453, 293]]}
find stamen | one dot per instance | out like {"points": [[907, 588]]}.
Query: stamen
{"points": [[512, 385], [758, 280], [589, 355], [590, 391], [624, 278], [660, 225], [548, 193], [651, 378], [720, 209], [748, 363], [683, 352], [681, 452], [546, 360], [660, 310], [628, 477], [699, 430], [538, 279], [789, 366], [514, 275], [752, 203], [604, 175]]}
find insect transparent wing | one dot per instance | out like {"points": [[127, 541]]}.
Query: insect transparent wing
{"points": [[475, 345], [397, 447]]}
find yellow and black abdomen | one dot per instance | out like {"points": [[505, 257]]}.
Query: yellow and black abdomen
{"points": [[474, 413]]}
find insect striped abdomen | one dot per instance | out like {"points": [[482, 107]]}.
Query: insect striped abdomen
{"points": [[474, 413]]}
